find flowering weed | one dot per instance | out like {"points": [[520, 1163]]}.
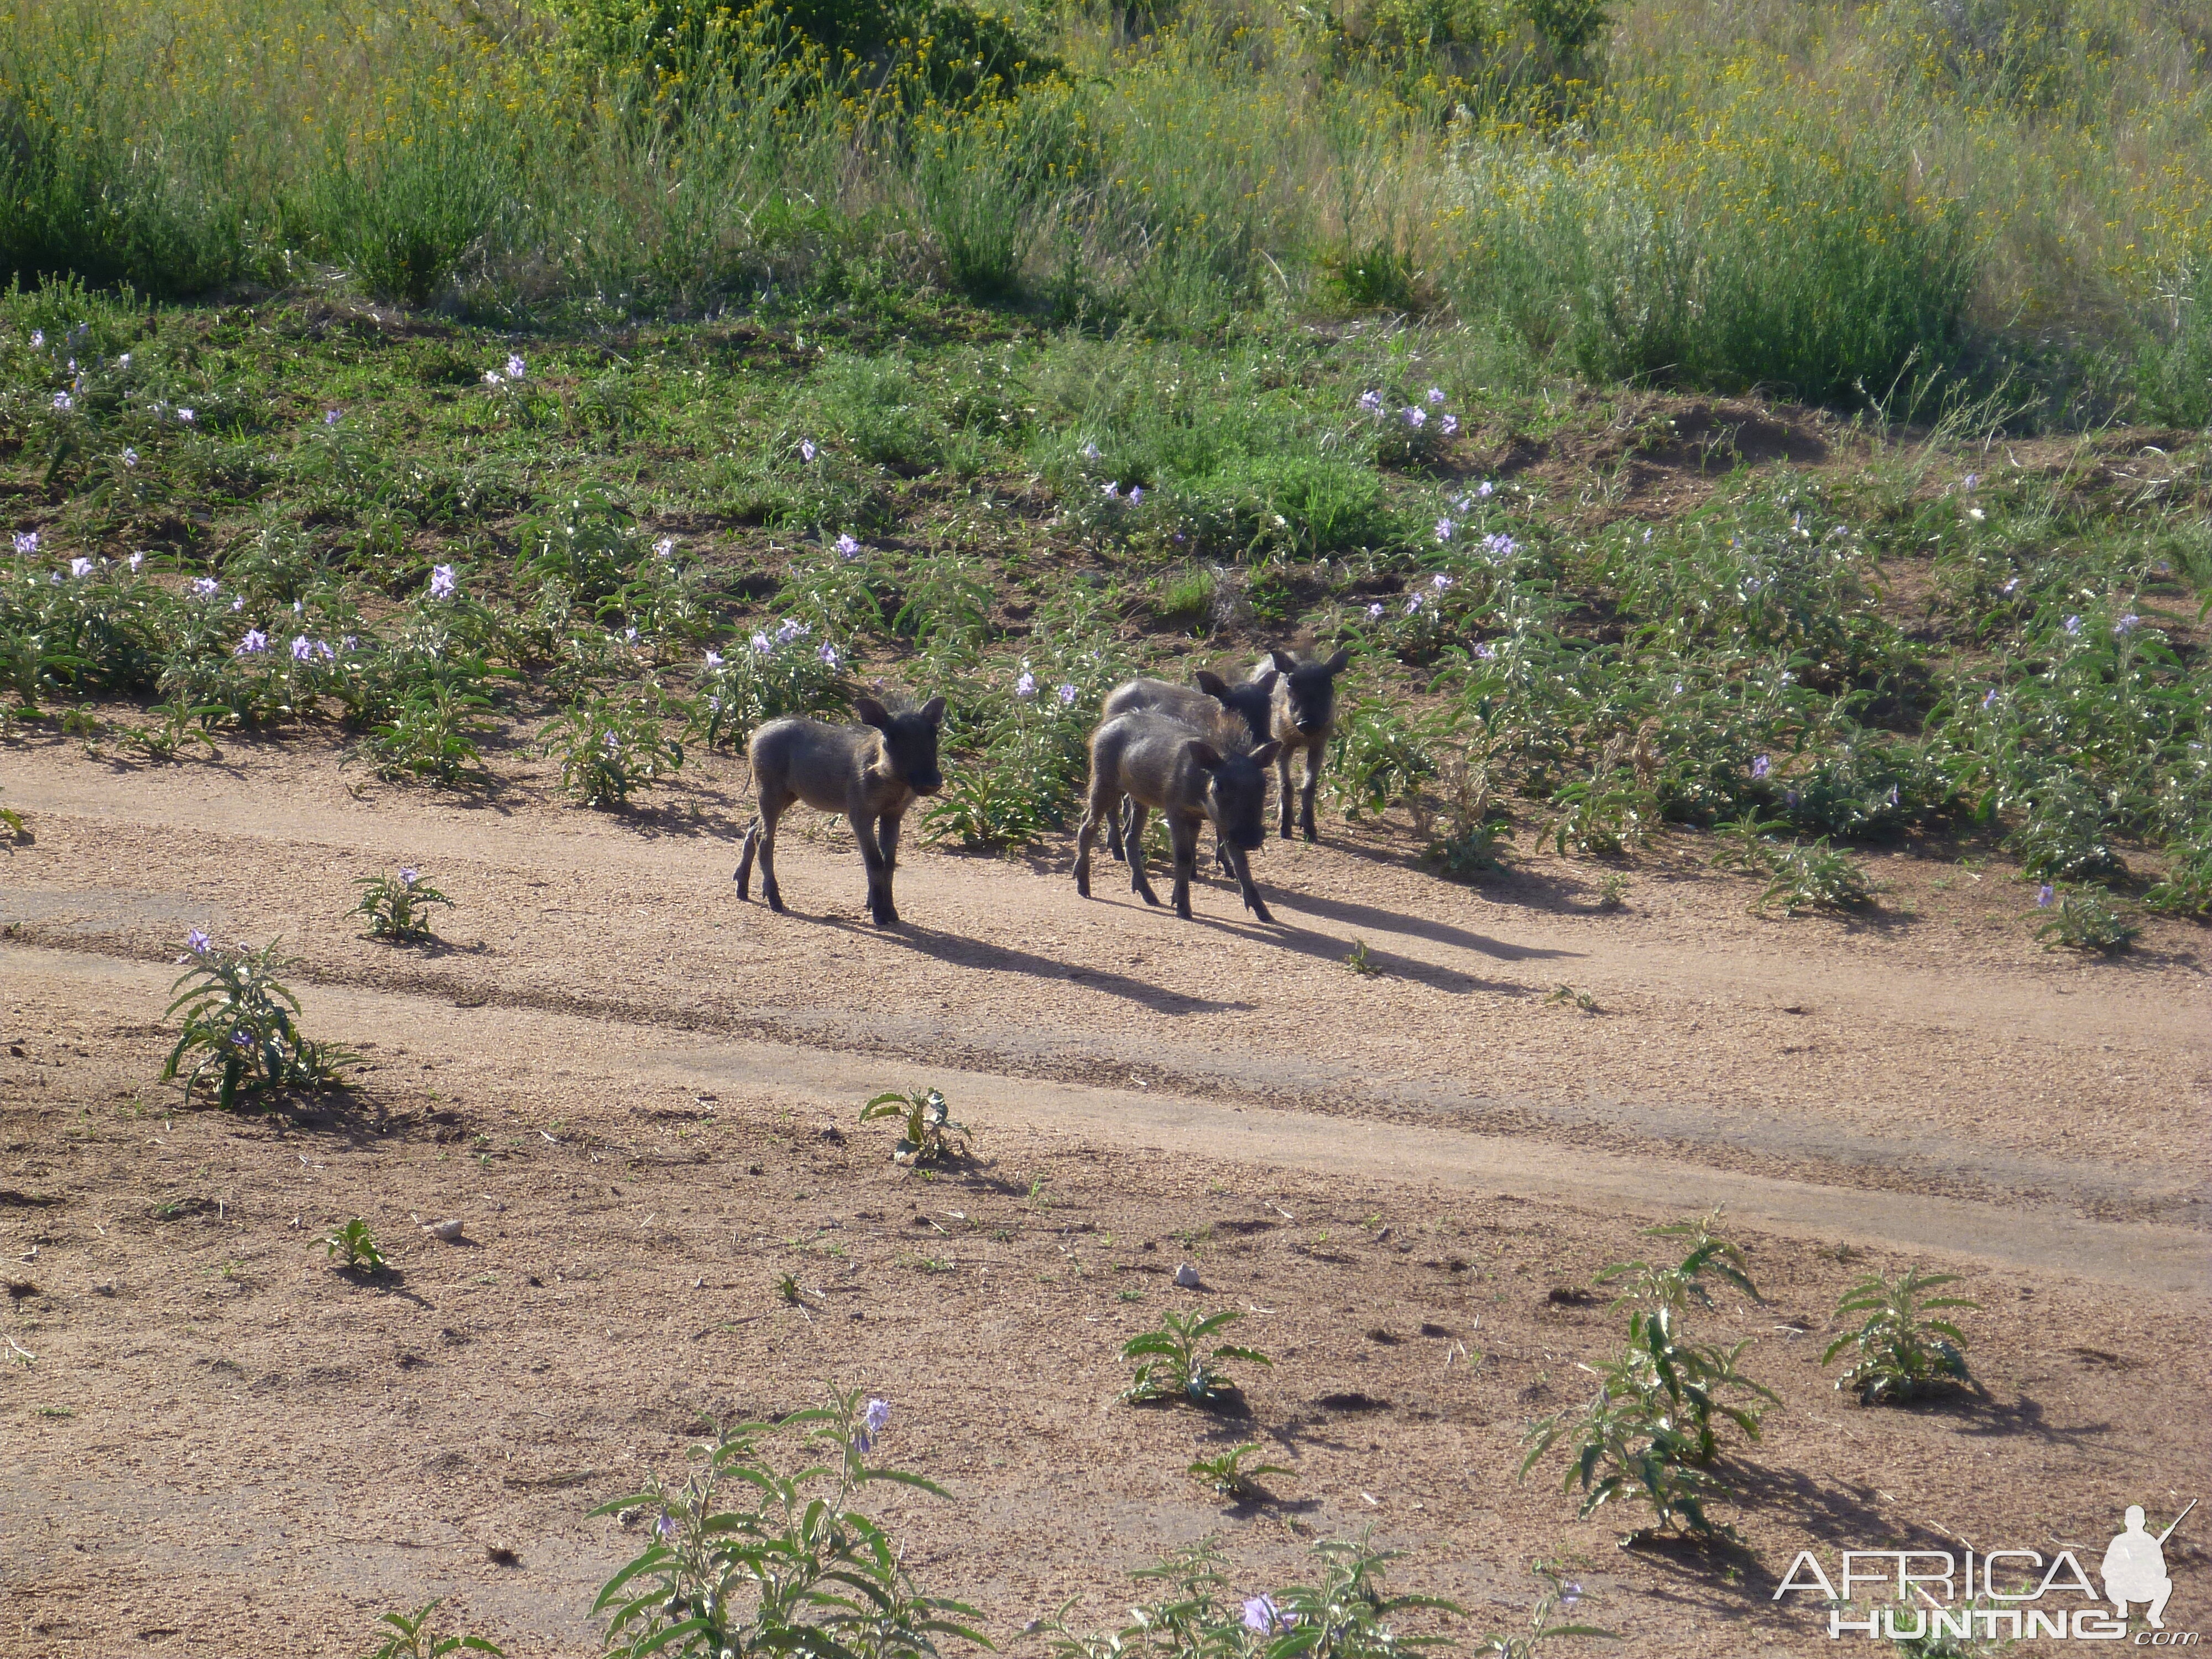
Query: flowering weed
{"points": [[1900, 1354], [927, 1133], [1178, 1366], [239, 1022], [612, 747], [398, 905]]}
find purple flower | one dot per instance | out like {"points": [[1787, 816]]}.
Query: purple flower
{"points": [[1451, 426], [205, 586], [2006, 590], [1500, 546], [830, 660], [1415, 416], [792, 630], [846, 547], [1112, 492], [130, 456], [1485, 651], [1436, 395], [1067, 694], [331, 417], [1752, 584], [242, 1039], [1413, 604], [1371, 401], [407, 874], [1441, 582], [1761, 767], [1989, 700], [714, 659], [252, 645], [761, 645], [27, 543], [1136, 495], [38, 339], [807, 450], [441, 581], [1374, 611], [1971, 479], [2127, 625], [63, 401], [135, 561], [82, 567], [187, 416], [665, 548], [1264, 1618], [350, 642], [872, 1419], [303, 648], [1089, 452], [516, 368], [713, 705], [197, 942], [2044, 896], [1444, 529], [491, 377], [2073, 624], [238, 605], [665, 1529], [1486, 489], [1025, 687]]}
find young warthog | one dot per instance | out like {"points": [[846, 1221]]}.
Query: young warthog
{"points": [[870, 772], [1156, 762], [1304, 716], [1199, 706]]}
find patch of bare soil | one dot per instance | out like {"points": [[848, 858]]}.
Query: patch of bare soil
{"points": [[640, 1098]]}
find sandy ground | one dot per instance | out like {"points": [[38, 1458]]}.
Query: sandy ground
{"points": [[627, 1083]]}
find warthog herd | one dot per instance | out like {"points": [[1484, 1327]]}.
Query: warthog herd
{"points": [[1195, 754]]}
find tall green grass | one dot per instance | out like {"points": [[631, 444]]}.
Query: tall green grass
{"points": [[1815, 197]]}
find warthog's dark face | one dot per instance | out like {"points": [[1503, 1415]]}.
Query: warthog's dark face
{"points": [[909, 741], [1253, 703], [1236, 792], [1312, 689]]}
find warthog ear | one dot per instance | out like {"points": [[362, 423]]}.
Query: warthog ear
{"points": [[1283, 659], [1208, 758], [1212, 683], [1266, 681], [933, 710], [872, 713], [1265, 752], [1337, 663]]}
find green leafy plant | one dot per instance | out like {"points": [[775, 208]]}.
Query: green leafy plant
{"points": [[1612, 890], [1649, 1431], [1560, 1594], [1572, 996], [398, 905], [747, 1557], [1900, 1354], [1227, 1475], [239, 1022], [1817, 876], [353, 1247], [1376, 759], [610, 749], [430, 732], [1362, 961], [177, 725], [2087, 921], [1177, 1365], [414, 1638], [927, 1133]]}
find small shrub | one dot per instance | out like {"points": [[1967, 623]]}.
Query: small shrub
{"points": [[239, 1020], [396, 906], [745, 1558], [1649, 1432], [353, 1247], [608, 749], [927, 1133], [1900, 1352], [1362, 960], [2186, 888], [1568, 995], [1560, 1594], [1226, 1475], [1811, 878], [1603, 816], [2087, 921], [413, 1638], [430, 733], [1377, 759], [1174, 1368], [1612, 890], [786, 672]]}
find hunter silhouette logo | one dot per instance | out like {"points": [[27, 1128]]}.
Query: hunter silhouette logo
{"points": [[2135, 1567], [1923, 1594]]}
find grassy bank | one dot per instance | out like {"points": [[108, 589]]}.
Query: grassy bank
{"points": [[1841, 203]]}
